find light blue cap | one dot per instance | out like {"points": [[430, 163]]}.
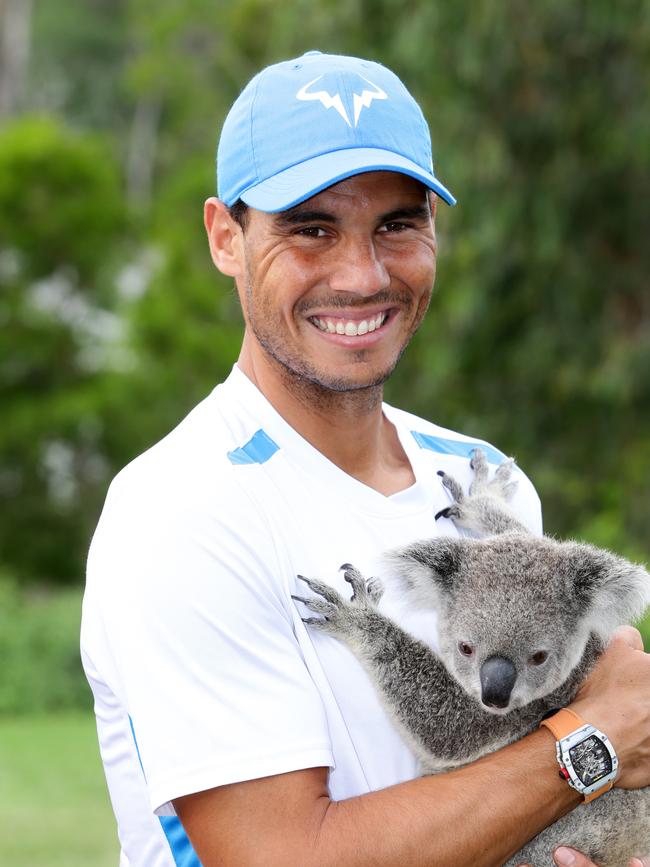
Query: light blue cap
{"points": [[302, 125]]}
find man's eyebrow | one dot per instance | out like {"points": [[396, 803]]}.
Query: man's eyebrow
{"points": [[297, 215], [418, 212]]}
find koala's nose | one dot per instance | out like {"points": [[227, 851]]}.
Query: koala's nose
{"points": [[498, 676]]}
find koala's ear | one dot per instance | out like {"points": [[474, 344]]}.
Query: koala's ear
{"points": [[428, 569], [611, 590]]}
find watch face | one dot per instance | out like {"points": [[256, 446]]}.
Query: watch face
{"points": [[591, 760]]}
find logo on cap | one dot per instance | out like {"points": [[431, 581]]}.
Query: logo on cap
{"points": [[359, 100]]}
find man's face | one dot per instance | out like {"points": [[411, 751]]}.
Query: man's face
{"points": [[336, 286]]}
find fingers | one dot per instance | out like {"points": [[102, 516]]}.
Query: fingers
{"points": [[582, 861], [630, 636], [565, 857]]}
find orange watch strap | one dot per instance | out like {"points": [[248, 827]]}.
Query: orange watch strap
{"points": [[563, 723], [598, 792]]}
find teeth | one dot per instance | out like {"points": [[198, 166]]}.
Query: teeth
{"points": [[349, 327]]}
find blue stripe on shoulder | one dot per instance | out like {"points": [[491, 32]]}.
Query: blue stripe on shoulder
{"points": [[179, 842], [456, 447], [257, 450]]}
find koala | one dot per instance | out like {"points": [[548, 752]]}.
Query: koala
{"points": [[522, 621]]}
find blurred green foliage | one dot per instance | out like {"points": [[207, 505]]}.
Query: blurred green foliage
{"points": [[115, 323], [39, 648], [62, 217]]}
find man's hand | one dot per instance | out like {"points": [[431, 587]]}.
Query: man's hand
{"points": [[623, 675], [564, 857], [616, 699]]}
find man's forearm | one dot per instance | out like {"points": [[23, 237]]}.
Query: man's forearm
{"points": [[479, 815]]}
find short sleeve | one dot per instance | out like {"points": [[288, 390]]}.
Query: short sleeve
{"points": [[200, 633]]}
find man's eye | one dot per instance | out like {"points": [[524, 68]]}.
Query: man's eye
{"points": [[312, 232], [394, 227]]}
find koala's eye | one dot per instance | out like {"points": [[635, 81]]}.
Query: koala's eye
{"points": [[538, 658], [466, 648]]}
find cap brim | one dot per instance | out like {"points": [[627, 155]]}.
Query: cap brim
{"points": [[300, 182]]}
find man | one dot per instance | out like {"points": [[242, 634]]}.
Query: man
{"points": [[215, 705]]}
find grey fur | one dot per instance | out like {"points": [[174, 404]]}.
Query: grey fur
{"points": [[511, 595]]}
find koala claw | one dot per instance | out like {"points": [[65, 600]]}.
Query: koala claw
{"points": [[314, 621], [478, 462], [355, 579], [318, 606], [452, 486], [504, 470], [324, 590], [448, 512], [375, 589]]}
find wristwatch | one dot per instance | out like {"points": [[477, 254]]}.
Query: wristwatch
{"points": [[587, 759]]}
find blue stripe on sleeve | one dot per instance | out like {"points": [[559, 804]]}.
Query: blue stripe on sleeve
{"points": [[137, 748], [179, 842], [182, 850]]}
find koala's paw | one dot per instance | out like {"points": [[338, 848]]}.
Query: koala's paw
{"points": [[364, 591], [475, 509], [500, 485], [339, 616]]}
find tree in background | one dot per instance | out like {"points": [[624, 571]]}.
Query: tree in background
{"points": [[61, 221], [539, 334]]}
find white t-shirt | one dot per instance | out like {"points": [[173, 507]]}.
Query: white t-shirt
{"points": [[202, 669]]}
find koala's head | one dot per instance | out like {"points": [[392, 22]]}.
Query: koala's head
{"points": [[515, 611]]}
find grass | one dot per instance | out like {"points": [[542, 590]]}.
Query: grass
{"points": [[53, 798]]}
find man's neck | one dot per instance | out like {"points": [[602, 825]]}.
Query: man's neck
{"points": [[348, 427]]}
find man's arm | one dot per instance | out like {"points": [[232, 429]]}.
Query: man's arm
{"points": [[481, 814]]}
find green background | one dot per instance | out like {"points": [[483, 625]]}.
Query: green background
{"points": [[114, 322]]}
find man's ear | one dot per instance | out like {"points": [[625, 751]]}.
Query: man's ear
{"points": [[428, 570], [612, 591], [225, 237], [433, 203]]}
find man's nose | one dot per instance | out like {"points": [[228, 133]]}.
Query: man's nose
{"points": [[358, 269]]}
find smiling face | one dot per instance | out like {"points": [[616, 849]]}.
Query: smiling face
{"points": [[334, 288]]}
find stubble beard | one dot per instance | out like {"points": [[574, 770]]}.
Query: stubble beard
{"points": [[316, 387]]}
